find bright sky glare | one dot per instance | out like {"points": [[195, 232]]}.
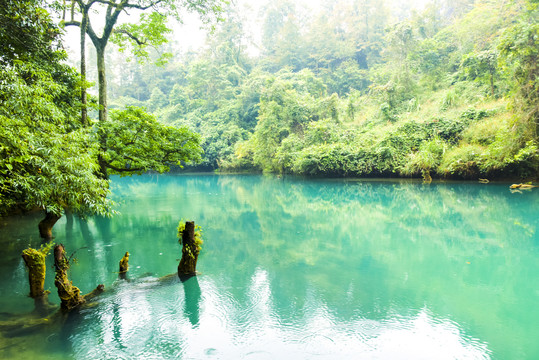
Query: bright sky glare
{"points": [[189, 36]]}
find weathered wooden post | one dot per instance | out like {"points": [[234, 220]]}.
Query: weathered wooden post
{"points": [[124, 266], [69, 294], [190, 251]]}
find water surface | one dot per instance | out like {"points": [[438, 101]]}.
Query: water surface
{"points": [[293, 269]]}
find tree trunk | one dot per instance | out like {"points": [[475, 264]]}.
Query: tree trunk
{"points": [[102, 80], [69, 294], [45, 226], [188, 263], [83, 94]]}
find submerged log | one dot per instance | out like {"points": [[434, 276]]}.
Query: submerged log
{"points": [[190, 251], [69, 294], [124, 266], [522, 186], [23, 325], [100, 289], [45, 226]]}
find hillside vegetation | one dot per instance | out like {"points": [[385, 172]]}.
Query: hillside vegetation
{"points": [[361, 88]]}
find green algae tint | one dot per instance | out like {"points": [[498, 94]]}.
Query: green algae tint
{"points": [[292, 269]]}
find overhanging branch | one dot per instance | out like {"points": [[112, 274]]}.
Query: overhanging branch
{"points": [[117, 169]]}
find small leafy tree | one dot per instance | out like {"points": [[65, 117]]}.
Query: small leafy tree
{"points": [[140, 143]]}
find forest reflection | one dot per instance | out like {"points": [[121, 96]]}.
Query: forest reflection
{"points": [[310, 265], [373, 248]]}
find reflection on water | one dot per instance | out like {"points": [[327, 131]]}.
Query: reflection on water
{"points": [[296, 269]]}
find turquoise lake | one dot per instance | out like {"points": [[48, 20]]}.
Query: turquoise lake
{"points": [[292, 269]]}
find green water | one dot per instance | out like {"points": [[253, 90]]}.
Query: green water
{"points": [[293, 269]]}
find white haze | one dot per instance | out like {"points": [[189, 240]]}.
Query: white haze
{"points": [[191, 34]]}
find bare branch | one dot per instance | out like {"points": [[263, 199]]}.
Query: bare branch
{"points": [[140, 7], [125, 32], [71, 23], [116, 5], [106, 2]]}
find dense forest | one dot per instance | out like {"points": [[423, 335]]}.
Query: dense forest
{"points": [[357, 88], [351, 88]]}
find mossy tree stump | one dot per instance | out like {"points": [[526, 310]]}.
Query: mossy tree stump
{"points": [[69, 294], [35, 262], [124, 266], [190, 251]]}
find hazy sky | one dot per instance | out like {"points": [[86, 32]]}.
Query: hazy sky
{"points": [[190, 36]]}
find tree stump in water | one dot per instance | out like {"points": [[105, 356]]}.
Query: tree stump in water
{"points": [[69, 294], [190, 250], [45, 225], [124, 266], [35, 262]]}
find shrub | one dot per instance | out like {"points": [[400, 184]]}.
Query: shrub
{"points": [[425, 160], [463, 161]]}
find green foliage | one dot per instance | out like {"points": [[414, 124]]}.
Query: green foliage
{"points": [[38, 255], [134, 142], [332, 160], [463, 161], [150, 30], [426, 159], [449, 100], [507, 153], [157, 99], [520, 48], [286, 107], [481, 66], [218, 141], [341, 93], [47, 160], [27, 33]]}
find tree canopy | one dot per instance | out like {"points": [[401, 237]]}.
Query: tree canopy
{"points": [[47, 159]]}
